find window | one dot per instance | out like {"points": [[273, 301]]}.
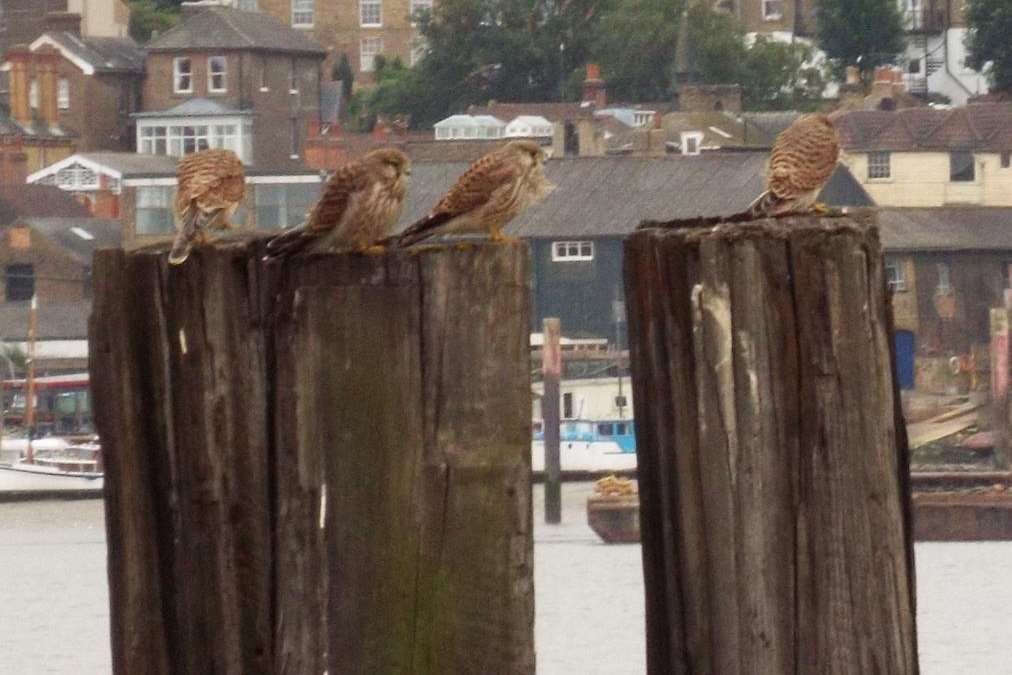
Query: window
{"points": [[1005, 156], [961, 166], [153, 141], [879, 165], [293, 77], [154, 210], [33, 94], [691, 142], [217, 81], [567, 405], [20, 282], [572, 251], [371, 48], [914, 67], [295, 137], [370, 12], [76, 177], [263, 74], [606, 429], [282, 206], [248, 5], [895, 275], [773, 10], [418, 7], [182, 79], [302, 13], [63, 94], [944, 286]]}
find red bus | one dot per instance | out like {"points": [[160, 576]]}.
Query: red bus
{"points": [[62, 404]]}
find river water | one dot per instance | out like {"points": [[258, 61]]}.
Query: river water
{"points": [[54, 614]]}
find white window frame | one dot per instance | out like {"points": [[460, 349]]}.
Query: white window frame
{"points": [[33, 94], [373, 6], [63, 94], [879, 165], [211, 74], [896, 274], [367, 60], [694, 136], [417, 5], [573, 251], [303, 13], [769, 15], [944, 286], [178, 75], [175, 137]]}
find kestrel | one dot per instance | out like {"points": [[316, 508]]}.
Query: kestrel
{"points": [[210, 186], [492, 191], [802, 162], [359, 206]]}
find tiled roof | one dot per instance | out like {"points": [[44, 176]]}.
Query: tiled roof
{"points": [[227, 28], [104, 54], [80, 237], [38, 201], [979, 126], [609, 196], [963, 228], [131, 163], [55, 321], [557, 111]]}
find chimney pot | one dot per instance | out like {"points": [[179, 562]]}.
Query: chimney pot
{"points": [[19, 57]]}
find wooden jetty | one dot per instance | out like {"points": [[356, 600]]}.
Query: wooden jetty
{"points": [[772, 459], [321, 466]]}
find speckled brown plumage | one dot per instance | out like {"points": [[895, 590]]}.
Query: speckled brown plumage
{"points": [[803, 160], [360, 205], [210, 186], [487, 196]]}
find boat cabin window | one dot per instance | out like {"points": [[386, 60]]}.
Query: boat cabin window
{"points": [[605, 429], [567, 405], [620, 429], [538, 427]]}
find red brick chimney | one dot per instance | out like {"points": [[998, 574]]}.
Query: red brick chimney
{"points": [[594, 89], [47, 61], [20, 59]]}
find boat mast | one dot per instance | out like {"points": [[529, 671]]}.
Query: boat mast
{"points": [[30, 380]]}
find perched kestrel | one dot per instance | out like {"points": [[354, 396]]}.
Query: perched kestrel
{"points": [[210, 185], [492, 191], [359, 206], [802, 162]]}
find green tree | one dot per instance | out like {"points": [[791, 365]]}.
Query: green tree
{"points": [[862, 33], [343, 72], [148, 16], [989, 40], [635, 46]]}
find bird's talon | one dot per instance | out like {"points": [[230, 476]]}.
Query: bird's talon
{"points": [[464, 246]]}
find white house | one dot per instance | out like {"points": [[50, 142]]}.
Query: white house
{"points": [[529, 126], [469, 127]]}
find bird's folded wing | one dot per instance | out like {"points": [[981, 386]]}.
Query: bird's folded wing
{"points": [[475, 187], [337, 196]]}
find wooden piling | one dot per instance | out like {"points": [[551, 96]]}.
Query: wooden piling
{"points": [[322, 466], [551, 373], [774, 509]]}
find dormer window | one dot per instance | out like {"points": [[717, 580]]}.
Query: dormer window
{"points": [[182, 75], [217, 81], [773, 10], [692, 142]]}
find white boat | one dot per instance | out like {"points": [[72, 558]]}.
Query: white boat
{"points": [[73, 467], [593, 446]]}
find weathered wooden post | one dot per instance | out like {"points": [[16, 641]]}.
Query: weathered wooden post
{"points": [[323, 466], [551, 373], [774, 509], [1000, 412]]}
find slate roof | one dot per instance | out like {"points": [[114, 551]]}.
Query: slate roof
{"points": [[981, 126], [964, 228], [227, 28], [609, 196], [71, 234], [194, 107], [105, 54], [37, 201], [131, 163]]}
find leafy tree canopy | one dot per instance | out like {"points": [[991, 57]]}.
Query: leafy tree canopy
{"points": [[148, 16], [862, 33], [989, 40]]}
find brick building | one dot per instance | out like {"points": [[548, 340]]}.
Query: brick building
{"points": [[98, 83], [22, 21], [362, 29], [225, 77]]}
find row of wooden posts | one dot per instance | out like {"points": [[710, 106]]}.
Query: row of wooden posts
{"points": [[325, 467]]}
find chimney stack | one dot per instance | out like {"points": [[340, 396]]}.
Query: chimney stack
{"points": [[853, 75], [47, 61], [63, 22], [594, 89], [20, 57]]}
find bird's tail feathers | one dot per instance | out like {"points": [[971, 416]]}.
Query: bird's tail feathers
{"points": [[421, 229], [189, 226], [767, 204], [289, 242]]}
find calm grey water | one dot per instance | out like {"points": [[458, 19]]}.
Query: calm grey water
{"points": [[54, 612]]}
